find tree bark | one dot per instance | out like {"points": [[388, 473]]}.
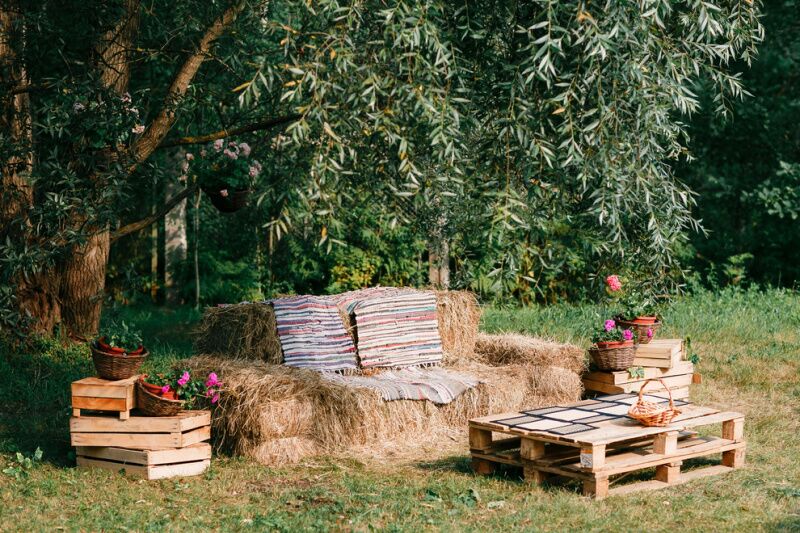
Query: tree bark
{"points": [[36, 293]]}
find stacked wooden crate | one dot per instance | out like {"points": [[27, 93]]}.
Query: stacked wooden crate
{"points": [[108, 436], [661, 358]]}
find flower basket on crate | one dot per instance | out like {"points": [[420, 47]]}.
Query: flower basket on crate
{"points": [[651, 413], [116, 366], [614, 348], [646, 327], [154, 405]]}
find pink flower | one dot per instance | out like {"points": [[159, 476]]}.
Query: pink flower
{"points": [[212, 380], [245, 148], [218, 144], [230, 154], [613, 283], [184, 379], [139, 128], [649, 333], [215, 399], [165, 389], [609, 325], [253, 172], [627, 334], [223, 193]]}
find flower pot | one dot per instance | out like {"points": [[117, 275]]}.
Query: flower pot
{"points": [[153, 389], [645, 320], [154, 405], [107, 347], [618, 356], [614, 344], [642, 329], [116, 366], [230, 202]]}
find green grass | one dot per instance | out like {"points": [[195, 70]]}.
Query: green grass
{"points": [[749, 342]]}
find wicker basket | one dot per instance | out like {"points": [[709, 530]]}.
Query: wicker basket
{"points": [[619, 358], [153, 405], [115, 367], [653, 414], [641, 329]]}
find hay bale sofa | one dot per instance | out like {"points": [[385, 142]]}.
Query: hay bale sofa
{"points": [[277, 414]]}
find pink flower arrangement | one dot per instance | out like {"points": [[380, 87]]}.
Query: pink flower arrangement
{"points": [[613, 283], [184, 379], [627, 335], [649, 333], [165, 389], [609, 325]]}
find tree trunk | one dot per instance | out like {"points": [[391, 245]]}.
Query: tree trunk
{"points": [[36, 292], [83, 284], [176, 244]]}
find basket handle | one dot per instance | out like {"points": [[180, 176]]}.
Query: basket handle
{"points": [[641, 391]]}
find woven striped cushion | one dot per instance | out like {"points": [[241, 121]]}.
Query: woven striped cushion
{"points": [[312, 334], [395, 327]]}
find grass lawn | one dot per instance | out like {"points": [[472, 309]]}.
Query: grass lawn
{"points": [[750, 348]]}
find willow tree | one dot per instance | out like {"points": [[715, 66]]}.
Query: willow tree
{"points": [[522, 107]]}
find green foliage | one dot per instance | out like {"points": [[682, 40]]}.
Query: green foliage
{"points": [[745, 171], [196, 393], [636, 372], [222, 165], [610, 332], [120, 335], [21, 465]]}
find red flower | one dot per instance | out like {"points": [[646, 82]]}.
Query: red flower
{"points": [[613, 283]]}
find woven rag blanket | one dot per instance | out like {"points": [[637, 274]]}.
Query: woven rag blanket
{"points": [[434, 384], [312, 334], [395, 327]]}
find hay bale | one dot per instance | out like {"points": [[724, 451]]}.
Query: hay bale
{"points": [[458, 315], [509, 349], [265, 408], [242, 331]]}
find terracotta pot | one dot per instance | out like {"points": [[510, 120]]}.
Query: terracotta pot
{"points": [[170, 395], [645, 320], [108, 348], [614, 344], [153, 389]]}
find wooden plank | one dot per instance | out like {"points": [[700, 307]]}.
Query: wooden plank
{"points": [[179, 470], [593, 457], [734, 458], [657, 363], [479, 439], [148, 472], [623, 376], [194, 436], [733, 429], [661, 349], [195, 452], [623, 463], [669, 473], [141, 424], [596, 488], [666, 443], [671, 382], [144, 441], [685, 477], [101, 404]]}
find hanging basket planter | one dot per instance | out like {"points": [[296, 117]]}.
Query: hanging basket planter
{"points": [[227, 200]]}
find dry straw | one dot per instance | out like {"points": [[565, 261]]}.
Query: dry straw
{"points": [[242, 331], [510, 348]]}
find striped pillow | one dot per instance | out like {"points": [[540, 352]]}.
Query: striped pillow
{"points": [[312, 334], [395, 327]]}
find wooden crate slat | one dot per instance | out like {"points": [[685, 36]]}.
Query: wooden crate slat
{"points": [[145, 441], [622, 377], [685, 477], [195, 452], [142, 424], [672, 382], [660, 348], [148, 472], [101, 404], [103, 388]]}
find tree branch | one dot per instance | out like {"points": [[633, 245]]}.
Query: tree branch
{"points": [[133, 227], [158, 129], [221, 134]]}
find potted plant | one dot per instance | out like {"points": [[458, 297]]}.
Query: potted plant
{"points": [[168, 394], [613, 347], [118, 352], [226, 173], [638, 310]]}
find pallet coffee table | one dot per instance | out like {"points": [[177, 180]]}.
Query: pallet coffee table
{"points": [[593, 440]]}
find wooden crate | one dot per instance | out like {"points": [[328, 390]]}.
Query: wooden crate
{"points": [[142, 432], [97, 394], [659, 353], [677, 379], [149, 464], [610, 448]]}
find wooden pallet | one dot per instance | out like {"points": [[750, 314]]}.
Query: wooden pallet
{"points": [[149, 464], [677, 379], [659, 353], [142, 432], [97, 394], [611, 448]]}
